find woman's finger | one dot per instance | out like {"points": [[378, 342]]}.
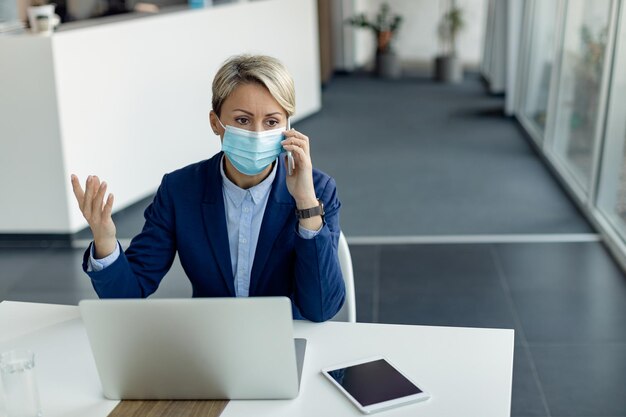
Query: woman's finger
{"points": [[297, 141], [78, 191], [108, 208], [87, 197], [299, 155], [294, 133], [92, 189], [301, 143], [98, 203]]}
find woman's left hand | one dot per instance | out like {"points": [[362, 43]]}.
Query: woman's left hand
{"points": [[300, 183]]}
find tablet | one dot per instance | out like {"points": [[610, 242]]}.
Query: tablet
{"points": [[374, 384]]}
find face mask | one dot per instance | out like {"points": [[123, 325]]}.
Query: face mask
{"points": [[251, 152]]}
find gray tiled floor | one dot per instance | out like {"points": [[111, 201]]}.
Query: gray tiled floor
{"points": [[432, 159], [583, 379], [528, 398], [566, 293]]}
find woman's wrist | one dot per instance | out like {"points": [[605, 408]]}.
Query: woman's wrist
{"points": [[307, 203], [313, 224], [103, 247]]}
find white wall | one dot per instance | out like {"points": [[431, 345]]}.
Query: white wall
{"points": [[417, 39]]}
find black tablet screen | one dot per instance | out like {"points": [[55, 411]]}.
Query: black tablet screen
{"points": [[374, 382]]}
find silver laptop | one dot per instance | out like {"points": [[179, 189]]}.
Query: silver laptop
{"points": [[202, 348]]}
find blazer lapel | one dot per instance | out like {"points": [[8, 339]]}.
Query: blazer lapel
{"points": [[214, 216], [279, 205]]}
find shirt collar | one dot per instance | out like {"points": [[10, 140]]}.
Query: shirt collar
{"points": [[258, 192]]}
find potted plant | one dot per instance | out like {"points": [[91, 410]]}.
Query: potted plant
{"points": [[384, 26], [448, 66]]}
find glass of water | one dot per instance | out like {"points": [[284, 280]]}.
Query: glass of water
{"points": [[20, 388]]}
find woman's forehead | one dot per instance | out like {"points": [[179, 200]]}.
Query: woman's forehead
{"points": [[254, 98]]}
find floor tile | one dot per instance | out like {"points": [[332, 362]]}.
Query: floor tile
{"points": [[582, 380], [565, 292], [439, 267], [571, 317], [15, 264], [52, 296], [58, 269], [485, 308], [443, 285], [526, 398], [584, 266], [366, 266]]}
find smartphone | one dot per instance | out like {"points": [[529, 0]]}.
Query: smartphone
{"points": [[290, 162], [374, 384]]}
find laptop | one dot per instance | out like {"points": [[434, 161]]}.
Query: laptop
{"points": [[202, 348]]}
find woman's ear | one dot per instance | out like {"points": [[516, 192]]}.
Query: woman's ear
{"points": [[215, 124]]}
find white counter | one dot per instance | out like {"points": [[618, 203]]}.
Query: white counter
{"points": [[128, 100]]}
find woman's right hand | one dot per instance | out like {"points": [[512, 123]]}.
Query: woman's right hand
{"points": [[97, 213]]}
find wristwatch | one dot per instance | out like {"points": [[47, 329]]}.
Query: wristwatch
{"points": [[311, 212]]}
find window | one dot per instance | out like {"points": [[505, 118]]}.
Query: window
{"points": [[612, 190], [541, 53], [582, 68]]}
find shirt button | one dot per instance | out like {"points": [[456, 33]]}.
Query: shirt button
{"points": [[245, 209], [243, 240]]}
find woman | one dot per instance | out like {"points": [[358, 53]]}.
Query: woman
{"points": [[241, 224]]}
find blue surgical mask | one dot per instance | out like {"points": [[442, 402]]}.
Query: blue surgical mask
{"points": [[251, 152]]}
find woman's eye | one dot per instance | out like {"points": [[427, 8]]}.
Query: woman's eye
{"points": [[242, 120], [272, 123]]}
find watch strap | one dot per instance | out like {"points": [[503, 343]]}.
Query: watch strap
{"points": [[311, 212]]}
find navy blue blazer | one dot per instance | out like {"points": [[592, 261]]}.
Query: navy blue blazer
{"points": [[187, 215]]}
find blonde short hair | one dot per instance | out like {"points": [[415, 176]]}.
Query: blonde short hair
{"points": [[261, 69]]}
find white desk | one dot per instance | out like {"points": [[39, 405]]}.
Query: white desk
{"points": [[467, 371]]}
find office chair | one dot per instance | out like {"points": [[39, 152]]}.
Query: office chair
{"points": [[348, 311]]}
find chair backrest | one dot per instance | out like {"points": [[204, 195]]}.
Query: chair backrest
{"points": [[348, 311]]}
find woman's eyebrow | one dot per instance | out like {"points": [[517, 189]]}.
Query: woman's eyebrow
{"points": [[245, 111], [252, 114]]}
